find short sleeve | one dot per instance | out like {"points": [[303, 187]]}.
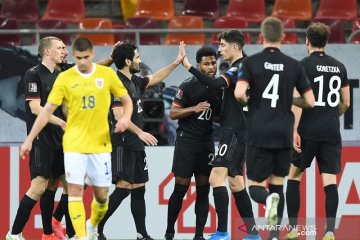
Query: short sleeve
{"points": [[244, 72], [117, 89], [181, 98], [302, 84], [58, 91], [344, 80], [32, 85]]}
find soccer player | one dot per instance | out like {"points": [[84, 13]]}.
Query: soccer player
{"points": [[319, 128], [62, 208], [194, 107], [85, 91], [46, 158], [270, 77], [230, 158], [129, 166]]}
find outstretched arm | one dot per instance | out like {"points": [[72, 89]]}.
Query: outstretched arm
{"points": [[163, 73]]}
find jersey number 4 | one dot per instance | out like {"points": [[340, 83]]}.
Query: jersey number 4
{"points": [[334, 91], [272, 90]]}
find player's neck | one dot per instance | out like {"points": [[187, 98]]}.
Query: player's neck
{"points": [[272, 44], [48, 64], [315, 49], [237, 55], [126, 72]]}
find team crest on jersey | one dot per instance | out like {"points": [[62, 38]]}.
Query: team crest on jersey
{"points": [[32, 87], [99, 82], [179, 94]]}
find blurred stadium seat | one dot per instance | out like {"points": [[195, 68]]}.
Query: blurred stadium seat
{"points": [[335, 9], [207, 9], [251, 10], [189, 38], [161, 11], [23, 11], [355, 27], [106, 39], [54, 24], [336, 28], [9, 39], [298, 10], [145, 39], [231, 23], [66, 10]]}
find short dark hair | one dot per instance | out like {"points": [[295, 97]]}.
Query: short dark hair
{"points": [[123, 52], [318, 34], [205, 52], [82, 44], [272, 29], [233, 36]]}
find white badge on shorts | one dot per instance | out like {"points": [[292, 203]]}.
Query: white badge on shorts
{"points": [[99, 82]]}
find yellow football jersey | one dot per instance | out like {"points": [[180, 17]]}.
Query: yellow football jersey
{"points": [[87, 98]]}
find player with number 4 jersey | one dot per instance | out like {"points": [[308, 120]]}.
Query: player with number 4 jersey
{"points": [[266, 82]]}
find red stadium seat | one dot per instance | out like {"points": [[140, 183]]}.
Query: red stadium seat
{"points": [[355, 27], [251, 10], [145, 39], [298, 10], [66, 10], [336, 9], [24, 11], [54, 24], [336, 28], [105, 39], [9, 39], [207, 9], [161, 11], [232, 23], [290, 38], [189, 38]]}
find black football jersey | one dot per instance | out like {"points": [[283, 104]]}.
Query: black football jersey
{"points": [[66, 66], [135, 87], [190, 93], [327, 76], [38, 84], [232, 119], [272, 77]]}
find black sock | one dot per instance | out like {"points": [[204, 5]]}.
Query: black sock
{"points": [[331, 205], [138, 209], [23, 214], [174, 206], [47, 208], [65, 208], [59, 213], [279, 189], [115, 199], [201, 208], [221, 199], [258, 194], [243, 204], [293, 201]]}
